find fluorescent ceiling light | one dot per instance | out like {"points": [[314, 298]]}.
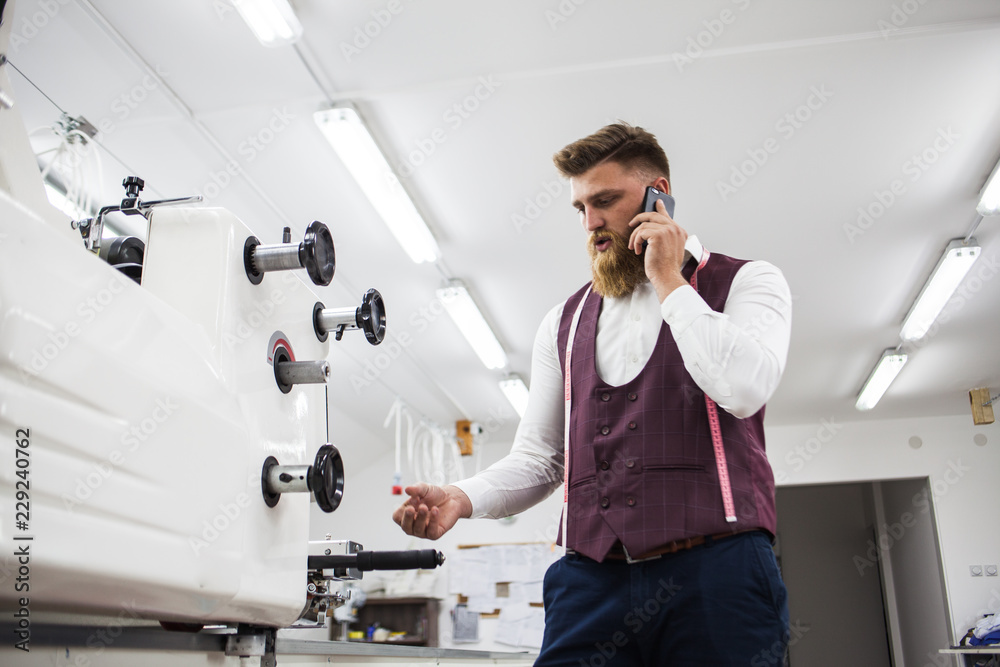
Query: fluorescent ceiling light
{"points": [[516, 392], [347, 133], [881, 377], [472, 324], [272, 21], [958, 258], [989, 201]]}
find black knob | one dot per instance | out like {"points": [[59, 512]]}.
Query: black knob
{"points": [[133, 186], [326, 478], [371, 316], [316, 253]]}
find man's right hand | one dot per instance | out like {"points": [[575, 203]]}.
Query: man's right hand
{"points": [[431, 511]]}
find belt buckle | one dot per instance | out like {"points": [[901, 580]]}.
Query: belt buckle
{"points": [[632, 561]]}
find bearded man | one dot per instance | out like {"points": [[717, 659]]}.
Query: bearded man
{"points": [[646, 405]]}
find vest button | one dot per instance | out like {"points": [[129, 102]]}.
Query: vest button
{"points": [[632, 396], [630, 463], [605, 430], [605, 503], [605, 397], [605, 465], [631, 501], [631, 426]]}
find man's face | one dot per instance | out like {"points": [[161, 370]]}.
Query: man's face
{"points": [[608, 196]]}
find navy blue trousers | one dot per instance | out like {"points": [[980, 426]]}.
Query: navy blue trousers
{"points": [[721, 603]]}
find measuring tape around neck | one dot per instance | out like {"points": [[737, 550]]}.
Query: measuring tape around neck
{"points": [[713, 424], [568, 402]]}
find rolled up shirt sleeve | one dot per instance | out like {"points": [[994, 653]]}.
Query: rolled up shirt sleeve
{"points": [[736, 356], [534, 467]]}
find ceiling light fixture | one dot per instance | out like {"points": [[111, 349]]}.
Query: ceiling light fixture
{"points": [[514, 389], [350, 138], [272, 21], [470, 321], [989, 200], [958, 258], [885, 371]]}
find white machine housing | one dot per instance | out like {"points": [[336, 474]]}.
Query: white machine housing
{"points": [[151, 410]]}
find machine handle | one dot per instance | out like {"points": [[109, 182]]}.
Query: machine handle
{"points": [[422, 559]]}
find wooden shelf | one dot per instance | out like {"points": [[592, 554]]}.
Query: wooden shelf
{"points": [[416, 616]]}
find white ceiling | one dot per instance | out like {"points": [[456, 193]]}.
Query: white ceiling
{"points": [[559, 76]]}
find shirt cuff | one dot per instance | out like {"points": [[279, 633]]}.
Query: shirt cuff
{"points": [[479, 492], [681, 307]]}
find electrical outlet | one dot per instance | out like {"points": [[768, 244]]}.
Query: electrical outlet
{"points": [[991, 570], [976, 570]]}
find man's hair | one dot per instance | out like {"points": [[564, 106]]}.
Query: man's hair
{"points": [[630, 146]]}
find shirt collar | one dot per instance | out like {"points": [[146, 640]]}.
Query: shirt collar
{"points": [[693, 248]]}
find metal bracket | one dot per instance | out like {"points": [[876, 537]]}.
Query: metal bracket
{"points": [[91, 229], [252, 642]]}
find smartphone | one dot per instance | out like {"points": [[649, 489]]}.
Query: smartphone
{"points": [[649, 204]]}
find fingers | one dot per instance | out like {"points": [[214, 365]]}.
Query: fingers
{"points": [[419, 521], [418, 490]]}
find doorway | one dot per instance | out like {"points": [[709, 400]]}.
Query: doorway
{"points": [[863, 570]]}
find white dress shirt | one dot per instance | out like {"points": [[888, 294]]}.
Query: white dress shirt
{"points": [[736, 357]]}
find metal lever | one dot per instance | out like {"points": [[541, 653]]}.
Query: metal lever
{"points": [[422, 559], [369, 317], [315, 254]]}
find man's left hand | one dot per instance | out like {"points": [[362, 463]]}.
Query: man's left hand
{"points": [[665, 251]]}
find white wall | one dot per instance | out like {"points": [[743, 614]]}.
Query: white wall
{"points": [[963, 477]]}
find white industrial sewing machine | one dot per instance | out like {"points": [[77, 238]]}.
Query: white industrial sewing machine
{"points": [[163, 419]]}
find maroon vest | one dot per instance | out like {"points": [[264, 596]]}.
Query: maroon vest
{"points": [[642, 465]]}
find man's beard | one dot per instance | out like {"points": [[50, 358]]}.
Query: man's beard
{"points": [[617, 271]]}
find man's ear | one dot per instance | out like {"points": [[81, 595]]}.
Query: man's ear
{"points": [[662, 184]]}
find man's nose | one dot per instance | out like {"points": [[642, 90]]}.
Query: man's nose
{"points": [[592, 221]]}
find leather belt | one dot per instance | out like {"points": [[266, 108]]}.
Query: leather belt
{"points": [[618, 550]]}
